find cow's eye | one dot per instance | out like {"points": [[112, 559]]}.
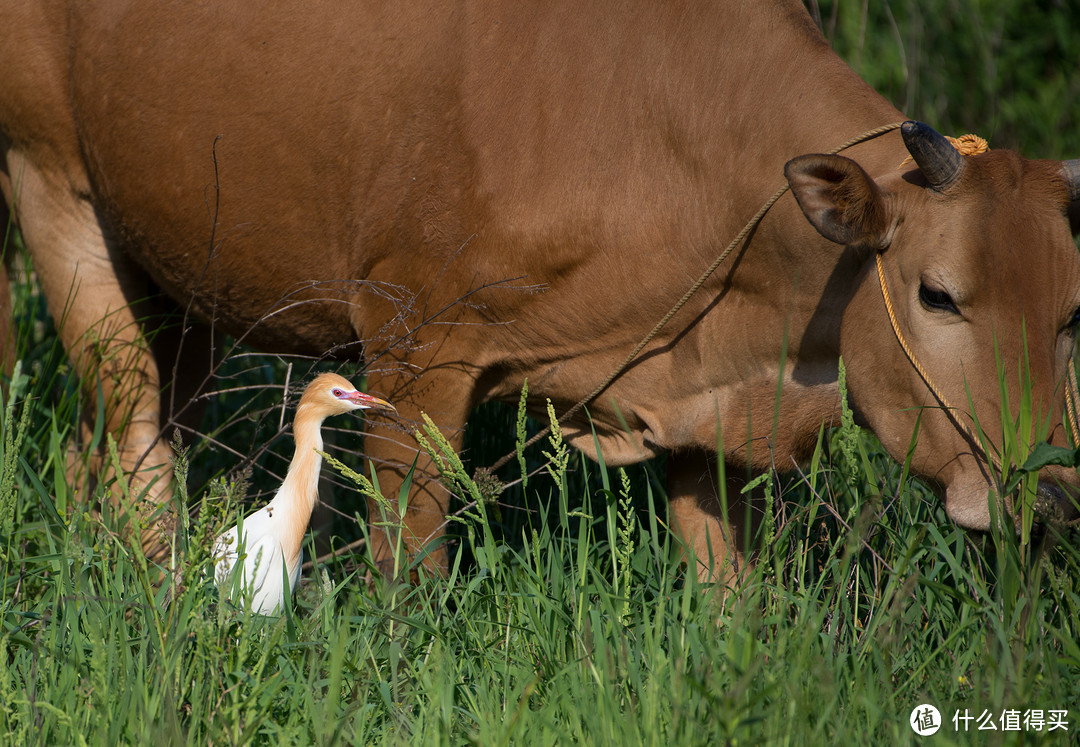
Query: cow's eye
{"points": [[1074, 322], [936, 299]]}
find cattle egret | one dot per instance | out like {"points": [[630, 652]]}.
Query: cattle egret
{"points": [[271, 546]]}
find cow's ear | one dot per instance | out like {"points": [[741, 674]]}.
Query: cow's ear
{"points": [[840, 200]]}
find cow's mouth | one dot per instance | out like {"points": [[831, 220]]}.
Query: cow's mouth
{"points": [[1056, 505]]}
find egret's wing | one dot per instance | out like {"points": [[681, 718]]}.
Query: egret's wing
{"points": [[263, 562], [264, 575], [259, 558]]}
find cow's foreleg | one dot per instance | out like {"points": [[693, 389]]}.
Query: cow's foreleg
{"points": [[92, 291], [717, 528], [7, 312], [397, 537]]}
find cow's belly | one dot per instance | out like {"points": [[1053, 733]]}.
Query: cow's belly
{"points": [[295, 312]]}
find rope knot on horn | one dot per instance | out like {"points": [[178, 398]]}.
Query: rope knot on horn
{"points": [[966, 145], [969, 144]]}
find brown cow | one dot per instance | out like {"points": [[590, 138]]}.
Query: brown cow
{"points": [[316, 176]]}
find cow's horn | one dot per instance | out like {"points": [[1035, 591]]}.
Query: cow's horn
{"points": [[940, 162], [1071, 171]]}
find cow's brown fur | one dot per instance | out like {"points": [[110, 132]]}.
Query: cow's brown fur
{"points": [[237, 154]]}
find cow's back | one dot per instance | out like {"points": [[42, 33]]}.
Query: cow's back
{"points": [[369, 142]]}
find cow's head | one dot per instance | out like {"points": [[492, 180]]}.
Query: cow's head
{"points": [[984, 277]]}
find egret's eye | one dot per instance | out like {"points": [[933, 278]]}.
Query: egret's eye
{"points": [[338, 393], [936, 299]]}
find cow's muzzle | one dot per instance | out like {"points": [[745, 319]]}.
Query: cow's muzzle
{"points": [[1055, 504]]}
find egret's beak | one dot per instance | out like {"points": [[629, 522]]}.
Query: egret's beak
{"points": [[373, 403]]}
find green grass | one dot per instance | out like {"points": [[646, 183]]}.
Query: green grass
{"points": [[566, 616], [866, 603]]}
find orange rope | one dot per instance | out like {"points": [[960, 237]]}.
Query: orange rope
{"points": [[969, 145], [1070, 400], [938, 394]]}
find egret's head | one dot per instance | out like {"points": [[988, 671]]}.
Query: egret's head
{"points": [[331, 394]]}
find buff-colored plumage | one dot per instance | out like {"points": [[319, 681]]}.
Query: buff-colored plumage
{"points": [[270, 541]]}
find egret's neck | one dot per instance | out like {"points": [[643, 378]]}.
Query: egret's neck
{"points": [[301, 487]]}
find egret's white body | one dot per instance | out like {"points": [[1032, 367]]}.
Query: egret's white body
{"points": [[269, 541]]}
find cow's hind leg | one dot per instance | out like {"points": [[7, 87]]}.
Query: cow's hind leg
{"points": [[717, 527], [94, 294]]}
